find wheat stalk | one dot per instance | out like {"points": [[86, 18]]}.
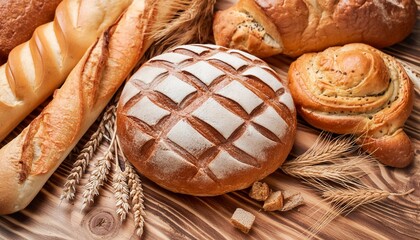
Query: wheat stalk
{"points": [[325, 150], [195, 20], [87, 152], [346, 199], [333, 159], [329, 159], [99, 174], [121, 189], [82, 161], [136, 193], [353, 198], [346, 170], [137, 200]]}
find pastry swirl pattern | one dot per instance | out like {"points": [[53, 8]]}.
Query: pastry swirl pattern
{"points": [[356, 89]]}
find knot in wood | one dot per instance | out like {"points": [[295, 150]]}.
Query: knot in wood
{"points": [[101, 223]]}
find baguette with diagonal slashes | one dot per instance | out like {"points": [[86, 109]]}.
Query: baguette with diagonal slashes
{"points": [[30, 159]]}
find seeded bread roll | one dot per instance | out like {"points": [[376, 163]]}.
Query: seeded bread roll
{"points": [[357, 89], [18, 20], [205, 120]]}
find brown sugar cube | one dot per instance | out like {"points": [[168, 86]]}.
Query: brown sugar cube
{"points": [[242, 220], [292, 202], [274, 202], [259, 191]]}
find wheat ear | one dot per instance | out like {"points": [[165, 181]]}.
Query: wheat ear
{"points": [[326, 149], [99, 174], [85, 156], [347, 170], [87, 152], [346, 199], [353, 198], [120, 186], [329, 159], [194, 18], [136, 194]]}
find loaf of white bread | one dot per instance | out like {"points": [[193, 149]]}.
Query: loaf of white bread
{"points": [[39, 66], [30, 159], [268, 27], [205, 120]]}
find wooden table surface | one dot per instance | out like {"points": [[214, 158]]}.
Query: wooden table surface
{"points": [[176, 216]]}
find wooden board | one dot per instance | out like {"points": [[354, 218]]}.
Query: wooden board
{"points": [[176, 216]]}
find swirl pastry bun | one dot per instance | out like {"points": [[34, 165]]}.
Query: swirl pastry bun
{"points": [[357, 89], [205, 120]]}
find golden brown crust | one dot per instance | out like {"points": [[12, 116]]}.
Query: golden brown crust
{"points": [[310, 26], [246, 27], [30, 159], [39, 66], [205, 120], [18, 20], [395, 150], [356, 89]]}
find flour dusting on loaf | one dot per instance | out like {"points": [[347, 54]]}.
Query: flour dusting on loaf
{"points": [[205, 120]]}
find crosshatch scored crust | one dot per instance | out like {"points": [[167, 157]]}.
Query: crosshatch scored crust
{"points": [[230, 122]]}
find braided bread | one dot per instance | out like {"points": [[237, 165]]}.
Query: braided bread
{"points": [[205, 120], [357, 89]]}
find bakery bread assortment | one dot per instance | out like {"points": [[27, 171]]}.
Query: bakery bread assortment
{"points": [[268, 27], [30, 159], [205, 120], [39, 66], [357, 89], [18, 20], [200, 119]]}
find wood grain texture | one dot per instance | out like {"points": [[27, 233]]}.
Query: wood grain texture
{"points": [[176, 216]]}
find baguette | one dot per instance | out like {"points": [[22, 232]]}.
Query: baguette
{"points": [[37, 67], [30, 159], [268, 27], [18, 20]]}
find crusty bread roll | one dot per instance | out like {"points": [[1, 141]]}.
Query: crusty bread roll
{"points": [[29, 160], [356, 89], [205, 120], [37, 67], [18, 20], [293, 27]]}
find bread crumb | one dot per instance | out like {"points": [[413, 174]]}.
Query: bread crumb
{"points": [[242, 220], [274, 202], [288, 194], [292, 202], [259, 191]]}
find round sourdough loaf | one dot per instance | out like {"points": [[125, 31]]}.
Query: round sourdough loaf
{"points": [[205, 120]]}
